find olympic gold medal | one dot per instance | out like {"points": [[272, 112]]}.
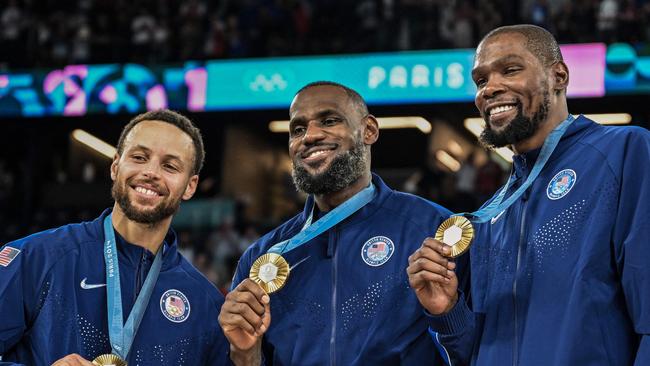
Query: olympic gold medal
{"points": [[457, 232], [109, 360], [270, 271]]}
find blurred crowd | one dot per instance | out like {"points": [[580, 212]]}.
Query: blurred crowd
{"points": [[58, 32]]}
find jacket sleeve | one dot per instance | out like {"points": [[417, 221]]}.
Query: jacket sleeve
{"points": [[455, 333], [219, 351], [18, 295], [631, 233]]}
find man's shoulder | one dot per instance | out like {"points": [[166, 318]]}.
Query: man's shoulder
{"points": [[56, 241], [416, 205], [616, 137]]}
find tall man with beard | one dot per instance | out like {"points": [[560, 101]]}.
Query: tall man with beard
{"points": [[346, 300], [561, 276], [61, 306]]}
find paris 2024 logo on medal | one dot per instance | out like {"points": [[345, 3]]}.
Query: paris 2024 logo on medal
{"points": [[561, 184], [175, 306], [377, 251]]}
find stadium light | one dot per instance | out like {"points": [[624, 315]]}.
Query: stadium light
{"points": [[611, 118], [448, 160], [384, 123], [94, 143]]}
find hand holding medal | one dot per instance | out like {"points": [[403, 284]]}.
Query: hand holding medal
{"points": [[431, 272]]}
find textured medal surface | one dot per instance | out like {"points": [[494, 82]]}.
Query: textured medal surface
{"points": [[270, 271], [106, 360], [457, 232]]}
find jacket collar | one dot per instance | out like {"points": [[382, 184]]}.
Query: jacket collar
{"points": [[131, 254], [523, 163], [382, 192]]}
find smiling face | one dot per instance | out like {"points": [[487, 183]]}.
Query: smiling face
{"points": [[513, 94], [329, 140], [154, 172]]}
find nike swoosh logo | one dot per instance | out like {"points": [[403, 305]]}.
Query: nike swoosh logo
{"points": [[90, 286], [299, 262], [495, 218]]}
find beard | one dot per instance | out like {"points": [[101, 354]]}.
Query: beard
{"points": [[163, 210], [344, 170], [519, 129]]}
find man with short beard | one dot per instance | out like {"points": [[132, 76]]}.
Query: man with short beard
{"points": [[560, 276], [117, 286], [346, 300]]}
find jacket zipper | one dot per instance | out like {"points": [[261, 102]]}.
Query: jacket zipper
{"points": [[333, 237], [522, 237], [139, 281]]}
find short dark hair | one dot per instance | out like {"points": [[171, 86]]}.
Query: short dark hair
{"points": [[355, 97], [173, 118], [539, 41]]}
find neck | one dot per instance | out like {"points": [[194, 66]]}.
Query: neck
{"points": [[537, 140], [148, 236], [327, 202]]}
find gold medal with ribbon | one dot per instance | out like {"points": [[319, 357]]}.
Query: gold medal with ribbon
{"points": [[457, 232], [109, 360], [270, 271]]}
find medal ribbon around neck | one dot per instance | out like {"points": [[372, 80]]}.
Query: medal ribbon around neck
{"points": [[498, 205], [458, 232], [122, 335], [271, 270]]}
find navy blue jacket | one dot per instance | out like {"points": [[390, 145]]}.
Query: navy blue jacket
{"points": [[347, 300], [47, 312], [562, 277]]}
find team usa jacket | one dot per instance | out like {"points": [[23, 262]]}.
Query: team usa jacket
{"points": [[562, 277], [347, 300], [53, 301]]}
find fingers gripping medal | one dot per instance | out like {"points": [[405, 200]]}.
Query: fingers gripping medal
{"points": [[109, 360], [270, 271], [457, 232]]}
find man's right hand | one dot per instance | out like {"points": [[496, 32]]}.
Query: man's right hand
{"points": [[73, 360], [245, 316], [431, 275]]}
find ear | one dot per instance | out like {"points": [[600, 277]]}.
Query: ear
{"points": [[116, 159], [191, 187], [560, 75], [371, 130]]}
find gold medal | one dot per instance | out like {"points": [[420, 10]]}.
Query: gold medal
{"points": [[109, 360], [270, 271], [457, 232]]}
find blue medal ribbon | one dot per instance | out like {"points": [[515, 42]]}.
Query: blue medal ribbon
{"points": [[498, 205], [122, 335], [338, 214]]}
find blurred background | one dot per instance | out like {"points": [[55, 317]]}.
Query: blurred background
{"points": [[73, 72]]}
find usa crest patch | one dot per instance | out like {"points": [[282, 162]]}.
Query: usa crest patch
{"points": [[377, 251], [561, 184], [7, 255], [175, 306]]}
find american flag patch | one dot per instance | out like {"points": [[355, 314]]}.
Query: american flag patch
{"points": [[7, 254]]}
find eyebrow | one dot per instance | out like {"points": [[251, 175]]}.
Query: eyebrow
{"points": [[503, 60], [148, 151], [320, 114]]}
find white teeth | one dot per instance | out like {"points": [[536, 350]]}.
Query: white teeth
{"points": [[143, 190], [500, 109], [316, 153]]}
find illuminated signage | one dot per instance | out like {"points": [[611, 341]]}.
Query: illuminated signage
{"points": [[386, 78]]}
